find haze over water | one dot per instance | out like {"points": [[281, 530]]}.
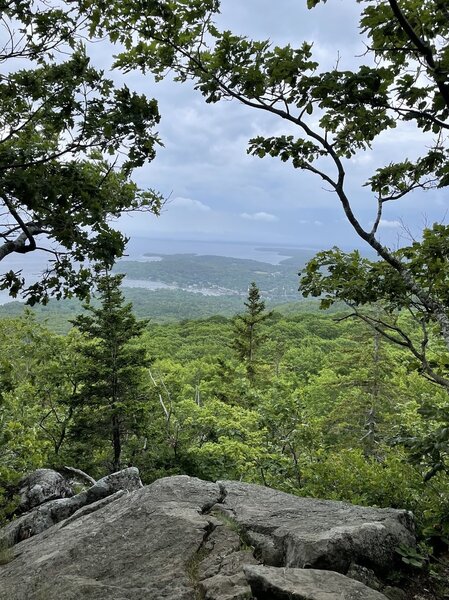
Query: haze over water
{"points": [[264, 252], [34, 263]]}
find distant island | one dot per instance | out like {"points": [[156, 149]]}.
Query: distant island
{"points": [[220, 275], [191, 286]]}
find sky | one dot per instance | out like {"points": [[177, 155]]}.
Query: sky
{"points": [[217, 192]]}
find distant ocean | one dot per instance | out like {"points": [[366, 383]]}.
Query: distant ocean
{"points": [[33, 264]]}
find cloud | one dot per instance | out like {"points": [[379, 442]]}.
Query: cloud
{"points": [[306, 222], [390, 224], [362, 158], [260, 216], [204, 148], [189, 204]]}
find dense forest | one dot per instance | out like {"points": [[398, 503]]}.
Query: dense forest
{"points": [[317, 405]]}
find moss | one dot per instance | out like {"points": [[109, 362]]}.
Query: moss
{"points": [[232, 524], [192, 568], [228, 521], [6, 553]]}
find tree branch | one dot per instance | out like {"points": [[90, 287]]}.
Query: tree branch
{"points": [[381, 326], [81, 474], [19, 244], [423, 48]]}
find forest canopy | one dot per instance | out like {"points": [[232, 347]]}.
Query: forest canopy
{"points": [[336, 114], [62, 118], [403, 78]]}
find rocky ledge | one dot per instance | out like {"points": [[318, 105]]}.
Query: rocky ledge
{"points": [[181, 538]]}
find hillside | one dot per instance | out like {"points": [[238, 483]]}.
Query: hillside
{"points": [[220, 275], [193, 287]]}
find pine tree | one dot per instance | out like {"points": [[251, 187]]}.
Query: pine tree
{"points": [[246, 329], [108, 404]]}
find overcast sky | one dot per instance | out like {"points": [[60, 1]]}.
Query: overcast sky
{"points": [[218, 192]]}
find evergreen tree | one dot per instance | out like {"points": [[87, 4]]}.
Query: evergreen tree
{"points": [[108, 405], [247, 336]]}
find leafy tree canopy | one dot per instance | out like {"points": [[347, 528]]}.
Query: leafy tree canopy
{"points": [[403, 78], [68, 144]]}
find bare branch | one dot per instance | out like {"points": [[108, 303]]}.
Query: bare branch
{"points": [[81, 474]]}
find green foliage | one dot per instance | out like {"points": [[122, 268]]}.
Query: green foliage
{"points": [[36, 372], [334, 275], [351, 107], [69, 144], [6, 554], [246, 330], [108, 401], [410, 556], [348, 475], [337, 276], [332, 115], [300, 427], [228, 439], [337, 411]]}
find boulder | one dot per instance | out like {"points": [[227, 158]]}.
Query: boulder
{"points": [[220, 565], [144, 545], [309, 533], [41, 486], [226, 587], [181, 538], [270, 583], [394, 593], [365, 575], [53, 511]]}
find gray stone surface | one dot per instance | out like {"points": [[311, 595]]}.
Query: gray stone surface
{"points": [[394, 593], [226, 587], [364, 575], [181, 537], [220, 569], [135, 548], [52, 512], [90, 508], [41, 486], [221, 550], [306, 532], [306, 584]]}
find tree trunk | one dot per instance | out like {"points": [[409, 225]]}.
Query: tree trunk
{"points": [[116, 442]]}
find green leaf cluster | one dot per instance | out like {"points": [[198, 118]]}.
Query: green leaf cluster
{"points": [[70, 141]]}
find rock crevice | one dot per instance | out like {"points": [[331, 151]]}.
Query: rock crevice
{"points": [[181, 538]]}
